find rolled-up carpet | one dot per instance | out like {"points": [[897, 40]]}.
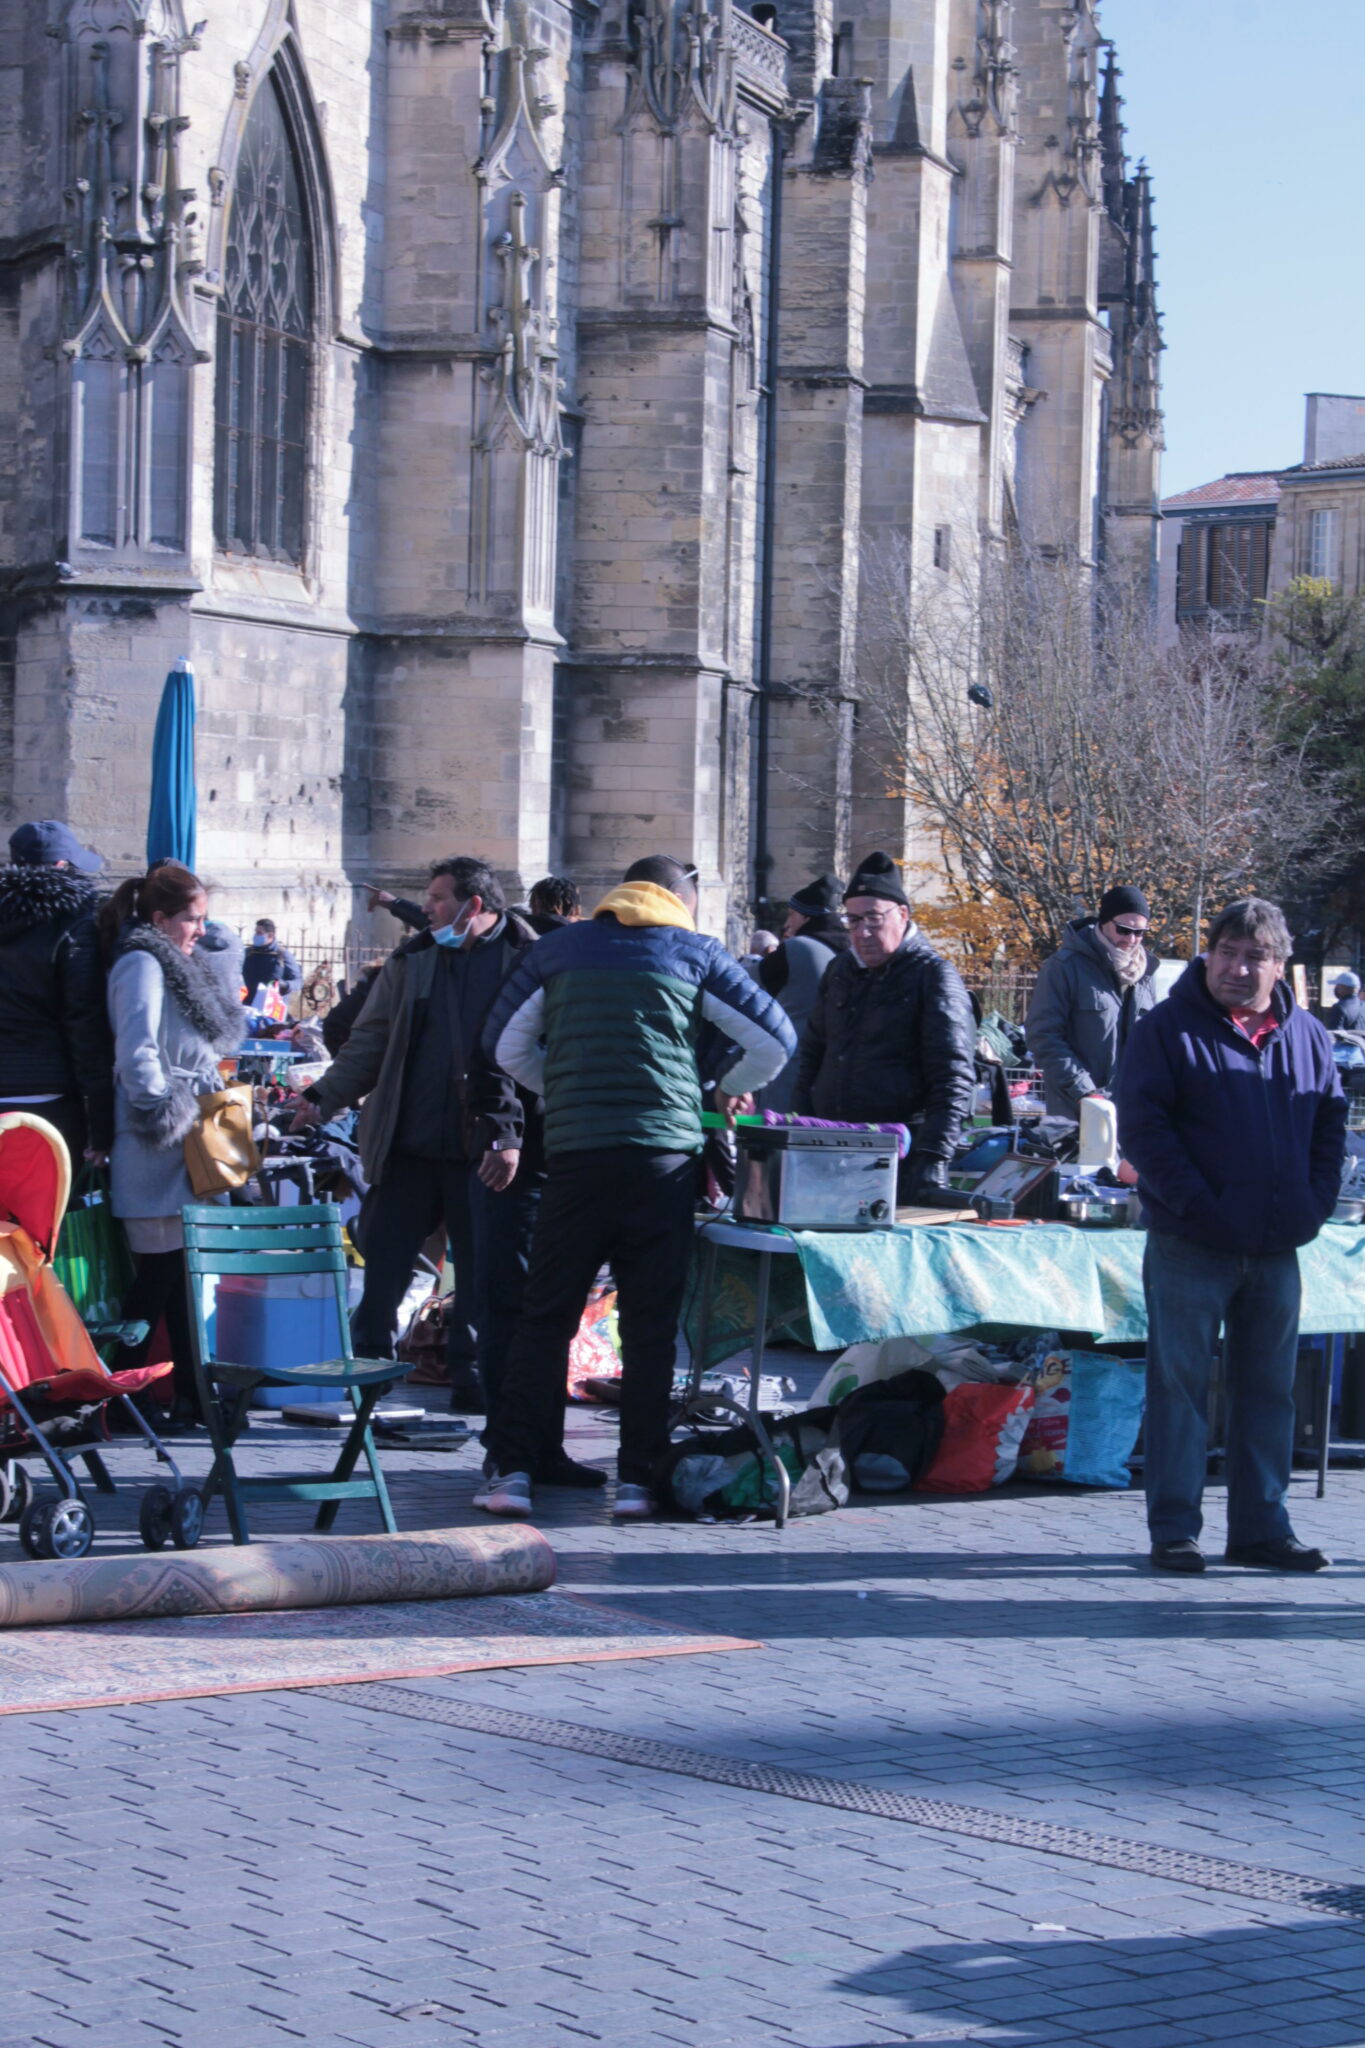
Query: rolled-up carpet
{"points": [[295, 1571]]}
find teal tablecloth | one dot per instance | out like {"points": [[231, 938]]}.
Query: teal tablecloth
{"points": [[853, 1287]]}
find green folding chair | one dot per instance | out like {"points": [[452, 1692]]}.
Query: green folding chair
{"points": [[281, 1244]]}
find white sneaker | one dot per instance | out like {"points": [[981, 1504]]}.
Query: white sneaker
{"points": [[632, 1503], [505, 1493]]}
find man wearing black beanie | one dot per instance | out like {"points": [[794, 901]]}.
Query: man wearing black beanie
{"points": [[1088, 997], [891, 1038]]}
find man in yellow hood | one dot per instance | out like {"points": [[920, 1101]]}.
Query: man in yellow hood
{"points": [[603, 1020]]}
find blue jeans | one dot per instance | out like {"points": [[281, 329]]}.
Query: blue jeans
{"points": [[1191, 1292]]}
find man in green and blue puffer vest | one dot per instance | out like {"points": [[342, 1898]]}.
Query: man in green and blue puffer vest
{"points": [[603, 1020]]}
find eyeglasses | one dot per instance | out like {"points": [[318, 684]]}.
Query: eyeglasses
{"points": [[873, 919], [1130, 931]]}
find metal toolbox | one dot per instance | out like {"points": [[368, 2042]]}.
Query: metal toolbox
{"points": [[815, 1180]]}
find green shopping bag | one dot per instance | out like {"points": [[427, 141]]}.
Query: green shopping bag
{"points": [[92, 1260]]}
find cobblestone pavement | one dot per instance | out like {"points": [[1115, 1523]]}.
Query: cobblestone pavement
{"points": [[274, 1867]]}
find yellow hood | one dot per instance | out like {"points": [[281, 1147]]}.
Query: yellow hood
{"points": [[645, 903]]}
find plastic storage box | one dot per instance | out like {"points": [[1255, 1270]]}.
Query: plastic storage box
{"points": [[292, 1320]]}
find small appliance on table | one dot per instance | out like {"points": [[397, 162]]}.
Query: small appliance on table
{"points": [[809, 1178]]}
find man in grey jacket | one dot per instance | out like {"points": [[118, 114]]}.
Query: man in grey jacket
{"points": [[1088, 997]]}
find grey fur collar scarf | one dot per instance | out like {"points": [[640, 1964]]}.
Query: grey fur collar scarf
{"points": [[214, 1014]]}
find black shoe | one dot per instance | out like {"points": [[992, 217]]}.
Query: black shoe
{"points": [[562, 1470], [1184, 1555], [466, 1395], [1284, 1554]]}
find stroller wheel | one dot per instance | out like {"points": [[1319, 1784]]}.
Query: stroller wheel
{"points": [[154, 1516], [61, 1528], [187, 1519], [29, 1535]]}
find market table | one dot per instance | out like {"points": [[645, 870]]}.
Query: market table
{"points": [[832, 1288]]}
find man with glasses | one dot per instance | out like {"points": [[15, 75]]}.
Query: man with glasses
{"points": [[890, 1038], [1087, 999], [1231, 1110]]}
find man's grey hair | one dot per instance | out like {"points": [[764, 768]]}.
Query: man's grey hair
{"points": [[1251, 917]]}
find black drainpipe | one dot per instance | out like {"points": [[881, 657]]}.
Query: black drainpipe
{"points": [[763, 859]]}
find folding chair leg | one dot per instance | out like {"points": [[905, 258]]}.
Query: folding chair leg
{"points": [[224, 1430], [358, 1439]]}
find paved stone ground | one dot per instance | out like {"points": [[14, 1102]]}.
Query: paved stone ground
{"points": [[275, 1867]]}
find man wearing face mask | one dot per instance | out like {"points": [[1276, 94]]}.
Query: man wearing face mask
{"points": [[444, 1134]]}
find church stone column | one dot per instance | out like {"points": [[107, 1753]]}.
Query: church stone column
{"points": [[657, 687], [819, 488], [464, 643]]}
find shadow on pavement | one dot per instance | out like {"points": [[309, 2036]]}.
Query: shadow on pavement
{"points": [[1058, 1990]]}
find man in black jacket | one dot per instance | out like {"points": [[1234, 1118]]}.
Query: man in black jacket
{"points": [[444, 1133], [268, 959], [891, 1037], [56, 1052]]}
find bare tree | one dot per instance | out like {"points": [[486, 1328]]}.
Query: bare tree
{"points": [[1047, 747]]}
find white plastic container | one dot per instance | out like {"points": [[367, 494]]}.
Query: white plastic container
{"points": [[1099, 1144]]}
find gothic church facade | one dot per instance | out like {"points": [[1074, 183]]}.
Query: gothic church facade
{"points": [[494, 400]]}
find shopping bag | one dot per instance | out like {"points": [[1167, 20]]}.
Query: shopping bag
{"points": [[92, 1260], [220, 1152]]}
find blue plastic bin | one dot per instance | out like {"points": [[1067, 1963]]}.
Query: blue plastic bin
{"points": [[265, 1321]]}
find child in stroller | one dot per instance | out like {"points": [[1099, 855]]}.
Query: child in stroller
{"points": [[55, 1389]]}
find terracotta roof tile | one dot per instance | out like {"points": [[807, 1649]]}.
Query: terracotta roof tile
{"points": [[1334, 462], [1243, 487]]}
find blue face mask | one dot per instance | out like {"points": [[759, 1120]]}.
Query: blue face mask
{"points": [[453, 935]]}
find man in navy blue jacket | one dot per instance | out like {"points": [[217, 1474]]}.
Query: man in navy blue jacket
{"points": [[1230, 1108]]}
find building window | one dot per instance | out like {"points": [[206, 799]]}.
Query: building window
{"points": [[1322, 545], [943, 546], [1238, 565], [1222, 567], [265, 324]]}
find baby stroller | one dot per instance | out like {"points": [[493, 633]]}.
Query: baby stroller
{"points": [[54, 1387]]}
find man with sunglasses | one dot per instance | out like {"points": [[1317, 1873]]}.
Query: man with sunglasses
{"points": [[1088, 997]]}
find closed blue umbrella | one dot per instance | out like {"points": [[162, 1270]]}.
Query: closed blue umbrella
{"points": [[172, 816]]}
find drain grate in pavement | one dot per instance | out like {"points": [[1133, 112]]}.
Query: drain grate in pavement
{"points": [[1114, 1852]]}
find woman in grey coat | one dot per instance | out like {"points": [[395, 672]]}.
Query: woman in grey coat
{"points": [[172, 1019]]}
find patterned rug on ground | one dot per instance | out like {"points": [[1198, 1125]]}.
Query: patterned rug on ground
{"points": [[113, 1663]]}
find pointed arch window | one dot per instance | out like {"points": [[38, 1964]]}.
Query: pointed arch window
{"points": [[265, 329]]}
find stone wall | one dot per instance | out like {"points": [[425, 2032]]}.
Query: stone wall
{"points": [[528, 618]]}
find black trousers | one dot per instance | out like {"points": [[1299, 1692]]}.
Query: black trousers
{"points": [[490, 1241], [160, 1289], [634, 1209]]}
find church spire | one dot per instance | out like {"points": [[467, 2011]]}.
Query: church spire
{"points": [[1113, 163]]}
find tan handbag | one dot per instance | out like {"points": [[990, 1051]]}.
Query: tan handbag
{"points": [[220, 1152]]}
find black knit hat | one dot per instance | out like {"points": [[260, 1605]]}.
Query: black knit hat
{"points": [[824, 893], [878, 875], [1116, 902]]}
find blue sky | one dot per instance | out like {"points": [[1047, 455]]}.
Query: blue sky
{"points": [[1249, 113]]}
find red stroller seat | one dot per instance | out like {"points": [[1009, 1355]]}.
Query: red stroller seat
{"points": [[54, 1386]]}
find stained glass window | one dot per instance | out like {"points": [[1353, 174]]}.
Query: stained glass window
{"points": [[265, 320]]}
